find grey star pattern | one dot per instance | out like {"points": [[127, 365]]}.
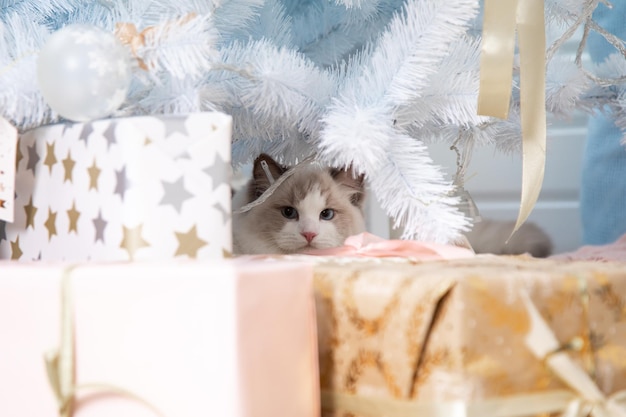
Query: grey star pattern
{"points": [[3, 230], [184, 155], [66, 126], [175, 194], [121, 183], [219, 172], [225, 213], [173, 125], [109, 134], [99, 223], [87, 130], [33, 158]]}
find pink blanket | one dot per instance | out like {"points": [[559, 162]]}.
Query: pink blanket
{"points": [[615, 251], [368, 245]]}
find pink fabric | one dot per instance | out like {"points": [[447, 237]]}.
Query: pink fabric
{"points": [[615, 251], [368, 245]]}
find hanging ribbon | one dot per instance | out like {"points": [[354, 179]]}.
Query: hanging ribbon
{"points": [[60, 363], [501, 17], [312, 159], [583, 399]]}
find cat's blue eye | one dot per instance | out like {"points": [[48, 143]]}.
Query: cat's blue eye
{"points": [[327, 214], [289, 212]]}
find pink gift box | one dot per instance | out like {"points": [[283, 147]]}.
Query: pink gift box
{"points": [[209, 338]]}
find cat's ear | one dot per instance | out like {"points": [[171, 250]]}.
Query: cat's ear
{"points": [[261, 180], [355, 183]]}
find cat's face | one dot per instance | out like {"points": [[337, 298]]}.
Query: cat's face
{"points": [[315, 208]]}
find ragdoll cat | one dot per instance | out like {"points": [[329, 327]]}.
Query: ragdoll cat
{"points": [[489, 236], [315, 208]]}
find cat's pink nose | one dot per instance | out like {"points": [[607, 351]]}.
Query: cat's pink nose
{"points": [[309, 236]]}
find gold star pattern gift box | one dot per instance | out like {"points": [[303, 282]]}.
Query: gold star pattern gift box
{"points": [[179, 338], [138, 188], [482, 337]]}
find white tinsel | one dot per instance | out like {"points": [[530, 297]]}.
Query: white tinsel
{"points": [[190, 40], [360, 82]]}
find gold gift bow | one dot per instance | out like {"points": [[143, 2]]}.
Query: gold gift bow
{"points": [[584, 398], [501, 17], [60, 363], [127, 34]]}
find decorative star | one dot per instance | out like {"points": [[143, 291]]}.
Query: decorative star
{"points": [[185, 155], [133, 241], [94, 173], [3, 230], [16, 252], [219, 172], [175, 194], [68, 165], [33, 158], [86, 132], [2, 203], [31, 211], [225, 213], [73, 214], [109, 134], [175, 125], [51, 223], [51, 159], [121, 182], [19, 156], [99, 223], [66, 126], [226, 253], [189, 243]]}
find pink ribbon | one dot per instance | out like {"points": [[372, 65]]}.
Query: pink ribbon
{"points": [[368, 245]]}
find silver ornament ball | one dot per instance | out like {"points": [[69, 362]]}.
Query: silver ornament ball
{"points": [[83, 72]]}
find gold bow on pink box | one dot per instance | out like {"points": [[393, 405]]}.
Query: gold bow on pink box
{"points": [[60, 362]]}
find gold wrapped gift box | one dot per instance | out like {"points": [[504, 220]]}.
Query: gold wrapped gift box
{"points": [[458, 337]]}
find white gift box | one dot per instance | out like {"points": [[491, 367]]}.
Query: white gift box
{"points": [[138, 188]]}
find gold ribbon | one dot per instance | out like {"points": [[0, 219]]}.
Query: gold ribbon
{"points": [[501, 17], [127, 34], [60, 363], [557, 401], [583, 399]]}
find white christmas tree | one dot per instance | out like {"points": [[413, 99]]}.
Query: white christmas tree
{"points": [[361, 82]]}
